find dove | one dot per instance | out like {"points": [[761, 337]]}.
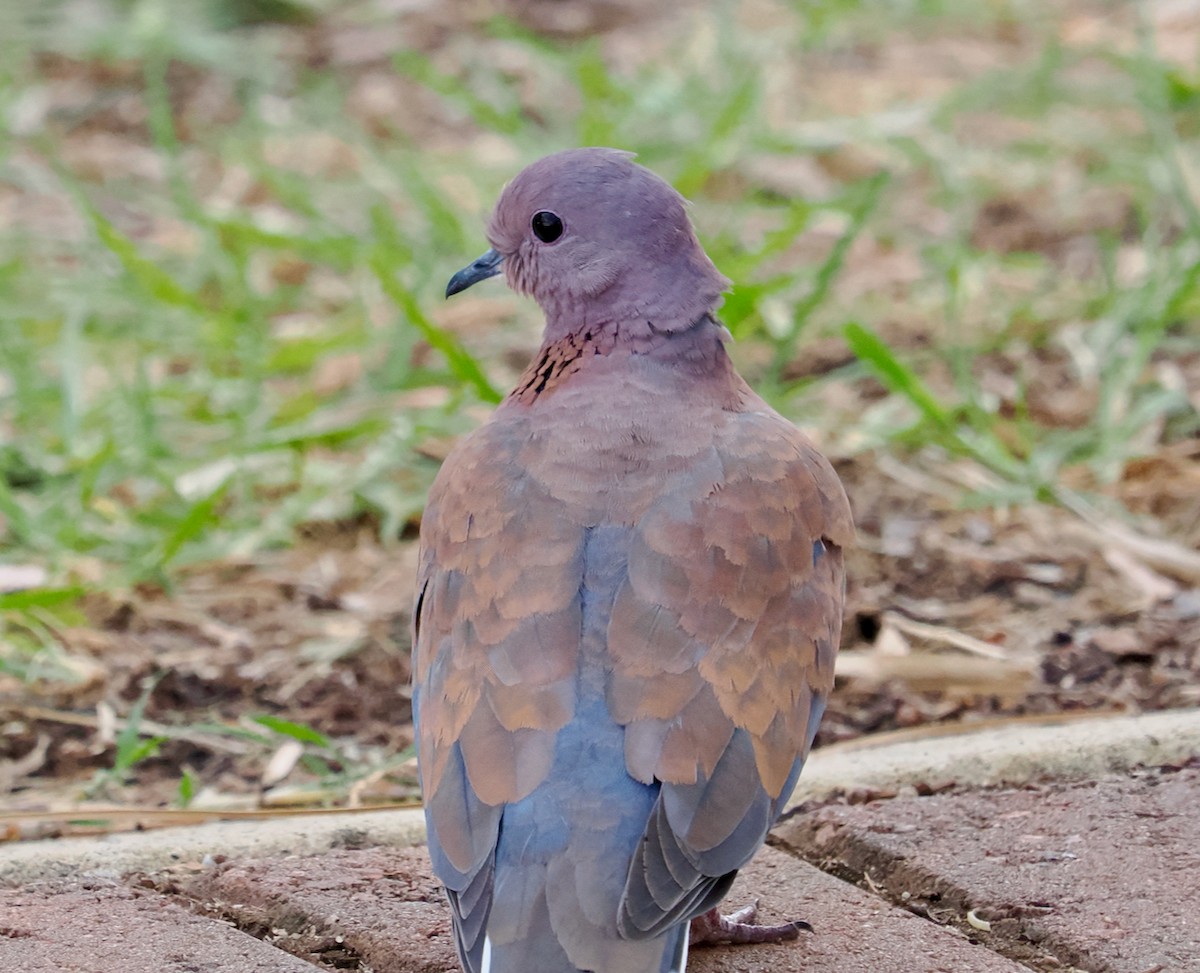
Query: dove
{"points": [[628, 602]]}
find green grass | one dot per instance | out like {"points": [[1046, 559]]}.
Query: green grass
{"points": [[158, 406], [1119, 329]]}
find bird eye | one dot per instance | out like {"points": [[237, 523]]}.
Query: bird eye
{"points": [[546, 226]]}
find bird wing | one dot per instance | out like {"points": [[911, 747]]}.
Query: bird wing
{"points": [[722, 640], [495, 644]]}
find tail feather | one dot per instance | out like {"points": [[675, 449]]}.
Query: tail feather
{"points": [[533, 949], [676, 959], [558, 938]]}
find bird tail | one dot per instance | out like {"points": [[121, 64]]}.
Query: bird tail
{"points": [[541, 951], [675, 958]]}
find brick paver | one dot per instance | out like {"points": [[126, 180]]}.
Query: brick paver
{"points": [[384, 905], [99, 927], [853, 931], [381, 904], [1103, 876]]}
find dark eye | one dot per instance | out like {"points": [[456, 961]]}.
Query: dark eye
{"points": [[546, 226]]}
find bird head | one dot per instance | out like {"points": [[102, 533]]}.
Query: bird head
{"points": [[598, 240]]}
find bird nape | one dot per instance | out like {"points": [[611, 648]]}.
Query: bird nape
{"points": [[629, 600]]}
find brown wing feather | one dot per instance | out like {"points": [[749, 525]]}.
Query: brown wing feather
{"points": [[728, 620], [723, 641], [497, 635]]}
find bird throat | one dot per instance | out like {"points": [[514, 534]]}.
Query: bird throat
{"points": [[555, 362], [698, 349]]}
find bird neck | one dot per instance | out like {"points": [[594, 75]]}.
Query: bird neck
{"points": [[695, 353]]}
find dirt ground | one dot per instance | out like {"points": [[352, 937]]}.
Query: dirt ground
{"points": [[953, 615]]}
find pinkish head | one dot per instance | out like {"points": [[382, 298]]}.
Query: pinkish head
{"points": [[598, 240]]}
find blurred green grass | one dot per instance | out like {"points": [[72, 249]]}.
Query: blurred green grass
{"points": [[161, 328]]}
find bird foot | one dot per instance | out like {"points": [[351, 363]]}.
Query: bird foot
{"points": [[712, 928]]}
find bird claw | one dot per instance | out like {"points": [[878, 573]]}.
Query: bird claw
{"points": [[713, 929]]}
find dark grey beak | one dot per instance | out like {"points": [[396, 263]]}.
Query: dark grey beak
{"points": [[486, 266]]}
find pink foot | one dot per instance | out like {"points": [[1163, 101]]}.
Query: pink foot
{"points": [[712, 928]]}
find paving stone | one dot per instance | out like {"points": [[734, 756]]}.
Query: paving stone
{"points": [[1007, 753], [149, 851], [853, 931], [98, 927], [1103, 876], [384, 906]]}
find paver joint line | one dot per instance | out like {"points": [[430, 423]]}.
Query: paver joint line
{"points": [[1031, 872]]}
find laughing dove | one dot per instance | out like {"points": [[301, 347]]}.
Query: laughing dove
{"points": [[628, 603]]}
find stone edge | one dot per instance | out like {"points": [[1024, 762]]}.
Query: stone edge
{"points": [[999, 755], [1005, 754]]}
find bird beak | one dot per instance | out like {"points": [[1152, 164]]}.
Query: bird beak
{"points": [[486, 266]]}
